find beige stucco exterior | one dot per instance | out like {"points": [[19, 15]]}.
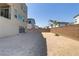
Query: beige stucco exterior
{"points": [[11, 26]]}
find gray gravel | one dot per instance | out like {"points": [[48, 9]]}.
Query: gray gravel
{"points": [[25, 44]]}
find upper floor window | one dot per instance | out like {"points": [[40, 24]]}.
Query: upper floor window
{"points": [[5, 12]]}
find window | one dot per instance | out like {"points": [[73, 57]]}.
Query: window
{"points": [[29, 22], [4, 12], [75, 21]]}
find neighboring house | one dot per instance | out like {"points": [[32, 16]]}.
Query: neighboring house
{"points": [[12, 18], [31, 23], [76, 19], [61, 24], [55, 23], [36, 27]]}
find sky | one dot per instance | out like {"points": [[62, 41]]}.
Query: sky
{"points": [[43, 12]]}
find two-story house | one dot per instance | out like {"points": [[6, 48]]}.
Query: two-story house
{"points": [[12, 18]]}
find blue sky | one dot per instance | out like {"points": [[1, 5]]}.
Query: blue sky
{"points": [[42, 12]]}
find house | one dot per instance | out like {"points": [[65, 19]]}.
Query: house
{"points": [[31, 23], [76, 19], [12, 18], [55, 23], [61, 24]]}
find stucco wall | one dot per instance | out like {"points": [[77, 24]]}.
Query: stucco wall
{"points": [[8, 27], [16, 9]]}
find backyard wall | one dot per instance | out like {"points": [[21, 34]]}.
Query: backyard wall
{"points": [[71, 31], [44, 30]]}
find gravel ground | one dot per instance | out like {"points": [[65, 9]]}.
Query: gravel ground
{"points": [[25, 44], [61, 46]]}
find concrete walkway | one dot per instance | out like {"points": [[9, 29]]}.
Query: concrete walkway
{"points": [[28, 44]]}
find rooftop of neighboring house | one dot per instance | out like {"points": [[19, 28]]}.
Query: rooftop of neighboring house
{"points": [[76, 16], [63, 22]]}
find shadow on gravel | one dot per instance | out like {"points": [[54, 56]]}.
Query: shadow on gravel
{"points": [[44, 51], [45, 47]]}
